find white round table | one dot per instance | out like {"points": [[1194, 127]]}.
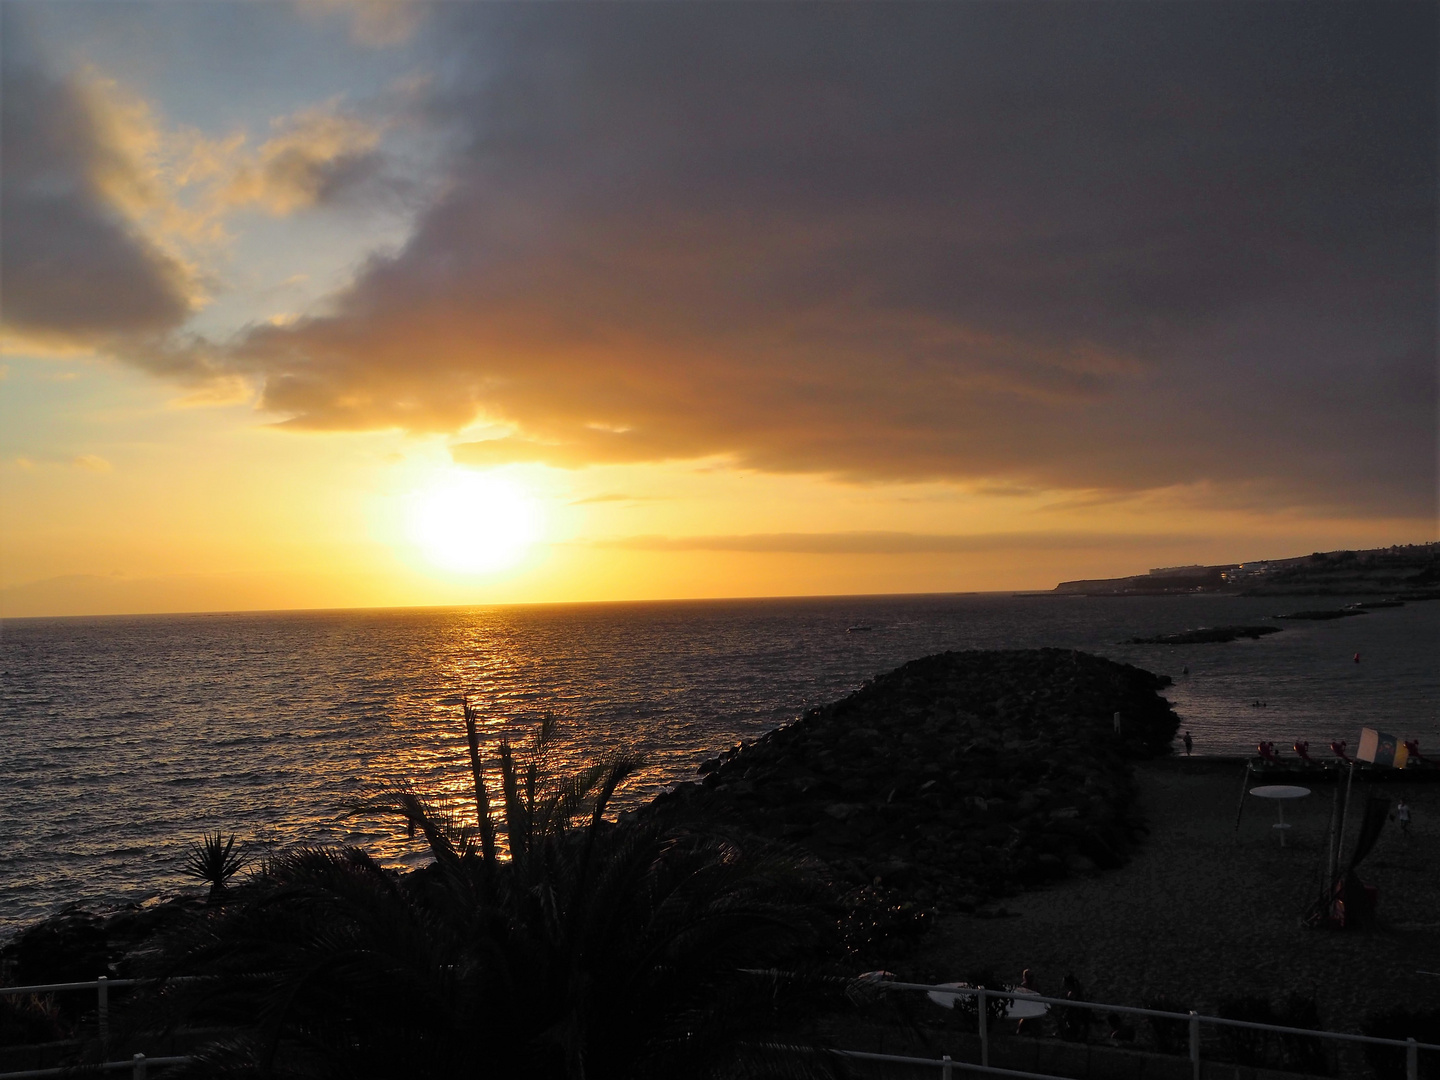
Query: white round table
{"points": [[1020, 1009], [1280, 792], [947, 1001], [1015, 1008]]}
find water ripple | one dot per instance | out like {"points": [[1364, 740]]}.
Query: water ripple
{"points": [[125, 739]]}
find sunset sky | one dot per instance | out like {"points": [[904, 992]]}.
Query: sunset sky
{"points": [[328, 304]]}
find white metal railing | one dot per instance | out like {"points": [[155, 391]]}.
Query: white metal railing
{"points": [[102, 987], [137, 1066], [983, 995], [946, 1064]]}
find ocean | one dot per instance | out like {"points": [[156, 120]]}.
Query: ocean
{"points": [[124, 739]]}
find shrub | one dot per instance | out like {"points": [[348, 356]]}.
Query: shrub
{"points": [[879, 926], [967, 1008], [31, 1019], [545, 942]]}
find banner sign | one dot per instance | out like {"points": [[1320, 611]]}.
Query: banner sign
{"points": [[1380, 749]]}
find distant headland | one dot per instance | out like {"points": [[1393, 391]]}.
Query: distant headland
{"points": [[1402, 572]]}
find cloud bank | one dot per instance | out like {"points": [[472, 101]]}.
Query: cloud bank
{"points": [[1082, 246], [899, 543]]}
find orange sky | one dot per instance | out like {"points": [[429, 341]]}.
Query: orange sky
{"points": [[716, 301]]}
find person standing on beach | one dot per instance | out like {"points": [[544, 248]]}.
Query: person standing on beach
{"points": [[1027, 982], [1402, 815], [1074, 1024], [1189, 744]]}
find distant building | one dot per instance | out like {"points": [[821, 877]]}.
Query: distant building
{"points": [[1193, 571]]}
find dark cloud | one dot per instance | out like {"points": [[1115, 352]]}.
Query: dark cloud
{"points": [[73, 268], [1055, 244], [899, 543]]}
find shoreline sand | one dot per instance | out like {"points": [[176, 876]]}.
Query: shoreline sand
{"points": [[1202, 911]]}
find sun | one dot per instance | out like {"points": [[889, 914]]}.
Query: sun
{"points": [[472, 523]]}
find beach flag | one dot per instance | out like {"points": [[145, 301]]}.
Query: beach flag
{"points": [[1380, 749]]}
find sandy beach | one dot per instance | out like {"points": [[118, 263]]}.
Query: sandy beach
{"points": [[1203, 911]]}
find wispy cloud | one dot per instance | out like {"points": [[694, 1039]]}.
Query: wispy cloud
{"points": [[91, 463], [312, 157], [898, 543], [376, 24], [611, 497]]}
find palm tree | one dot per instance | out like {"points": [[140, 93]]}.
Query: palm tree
{"points": [[213, 860], [575, 948]]}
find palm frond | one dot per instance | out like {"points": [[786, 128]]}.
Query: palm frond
{"points": [[477, 776], [215, 861], [595, 949]]}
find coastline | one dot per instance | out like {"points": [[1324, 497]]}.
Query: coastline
{"points": [[1100, 854]]}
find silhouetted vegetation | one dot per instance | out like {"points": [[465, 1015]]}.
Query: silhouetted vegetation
{"points": [[543, 942], [214, 861]]}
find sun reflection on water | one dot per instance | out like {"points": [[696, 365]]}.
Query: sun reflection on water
{"points": [[127, 738]]}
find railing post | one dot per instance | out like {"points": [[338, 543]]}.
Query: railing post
{"points": [[1412, 1059], [945, 1069], [984, 1011], [1194, 1045], [102, 1008], [139, 1067]]}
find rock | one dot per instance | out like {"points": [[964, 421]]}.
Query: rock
{"points": [[1079, 864], [71, 947], [1209, 635], [985, 771]]}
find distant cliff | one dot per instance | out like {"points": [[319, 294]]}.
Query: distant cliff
{"points": [[1407, 572], [1156, 583]]}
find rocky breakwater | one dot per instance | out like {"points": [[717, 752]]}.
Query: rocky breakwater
{"points": [[953, 780]]}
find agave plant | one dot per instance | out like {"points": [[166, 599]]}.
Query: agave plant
{"points": [[543, 941], [214, 860]]}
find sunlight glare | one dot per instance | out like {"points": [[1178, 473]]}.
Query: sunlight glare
{"points": [[472, 522]]}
